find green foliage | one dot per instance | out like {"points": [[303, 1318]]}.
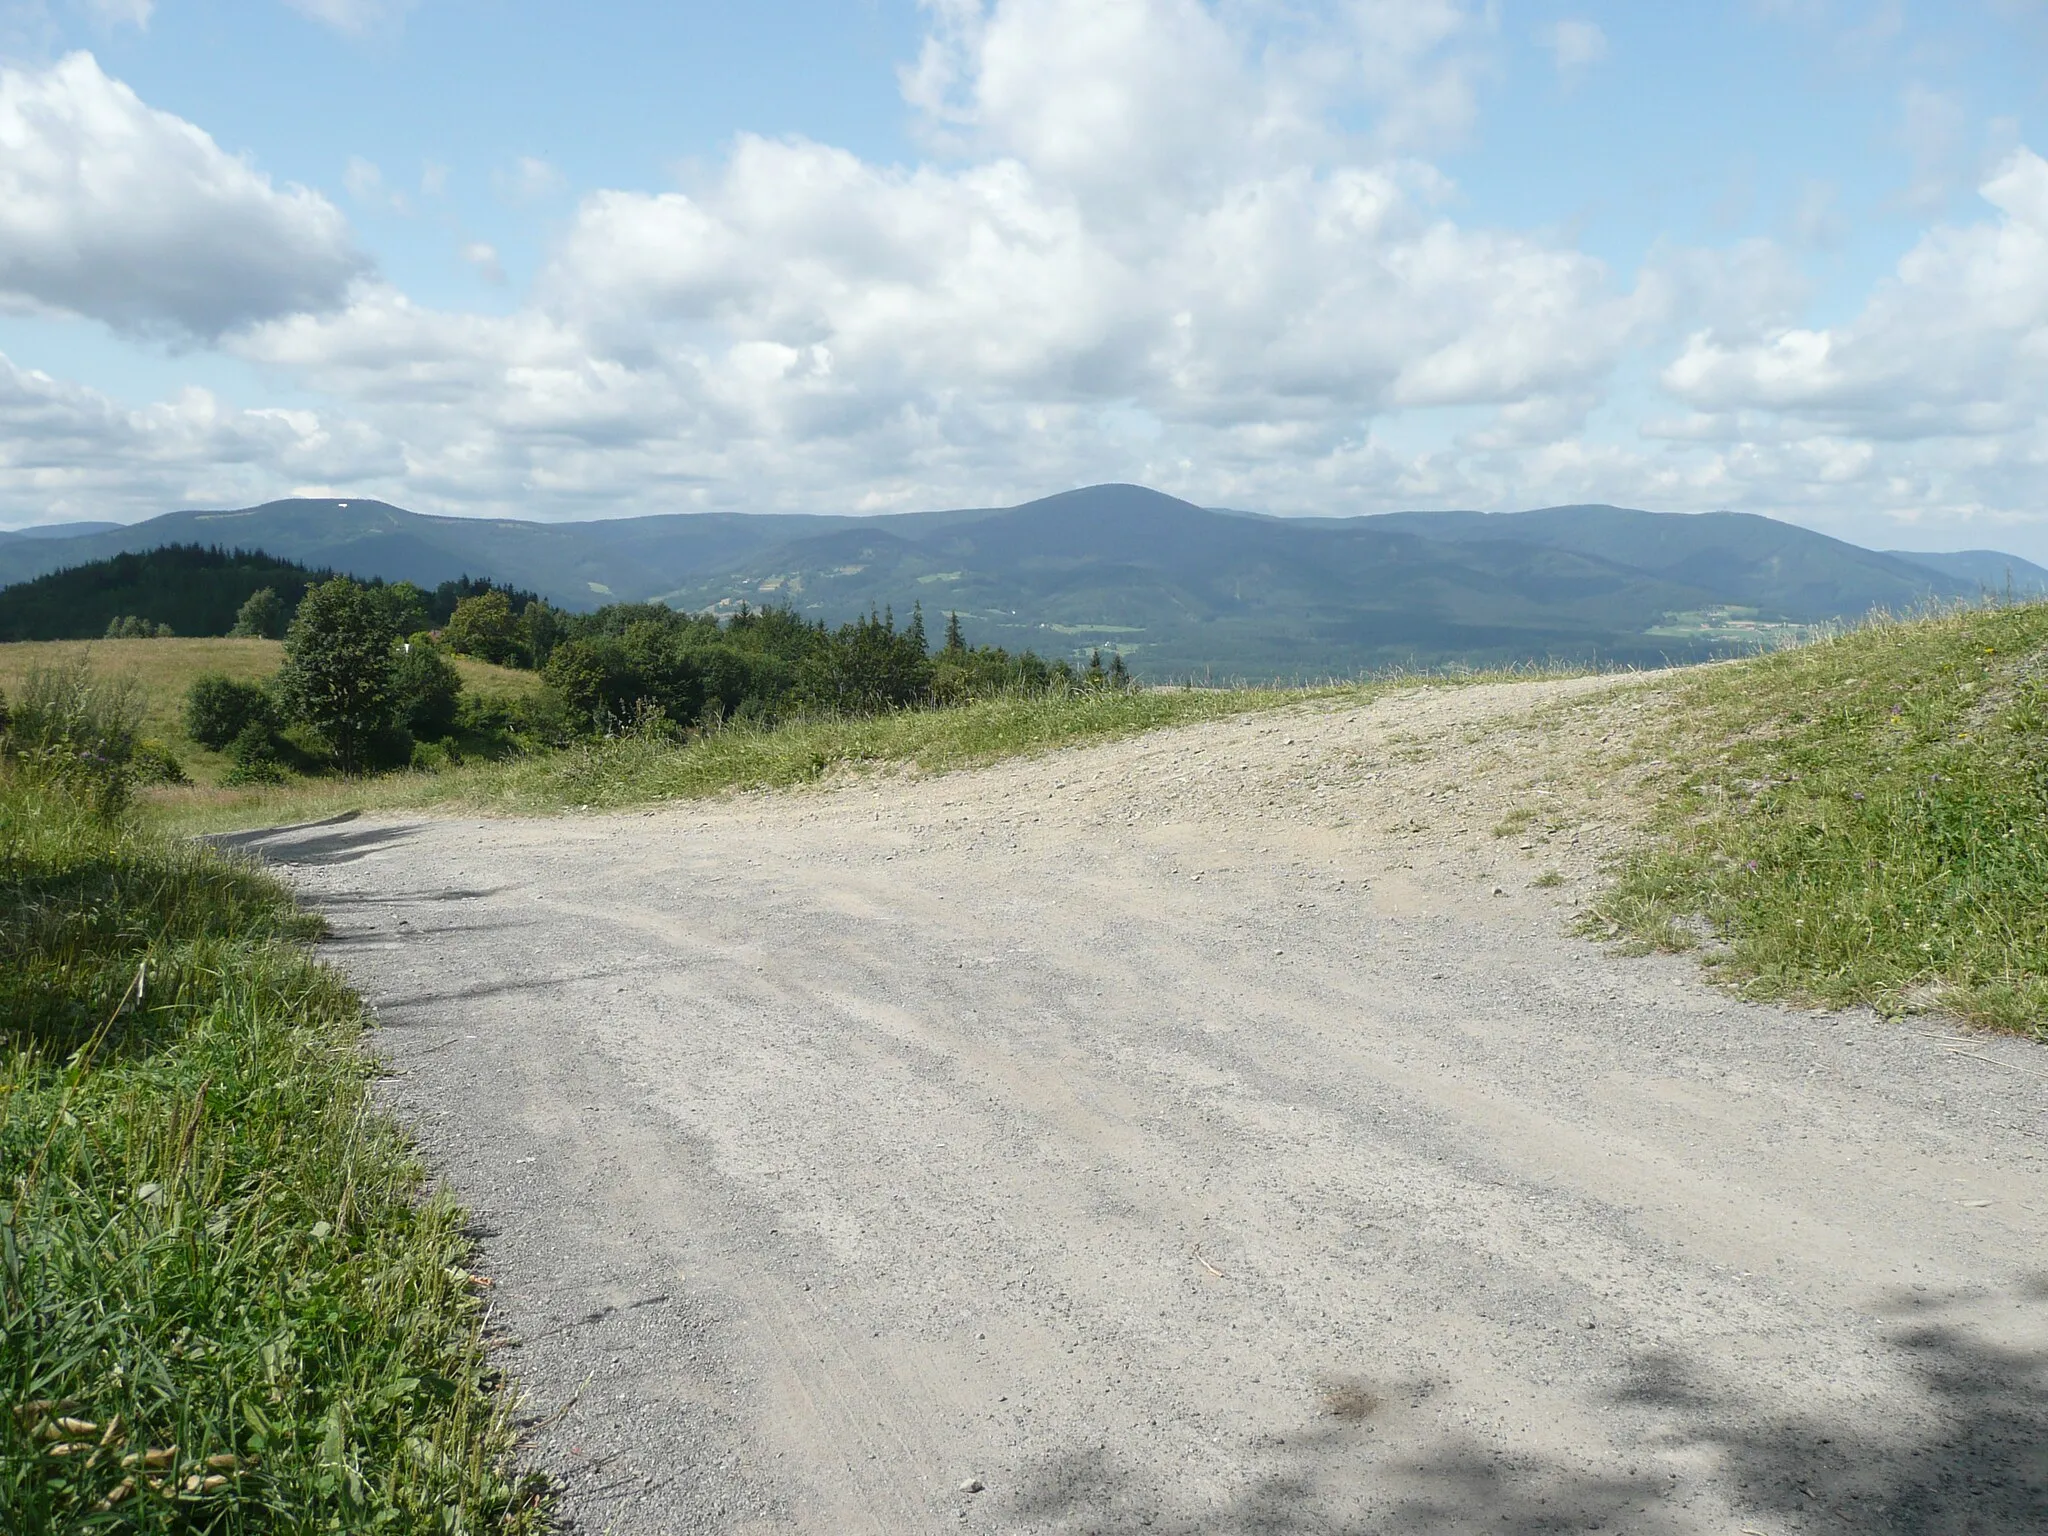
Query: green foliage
{"points": [[1865, 820], [426, 690], [484, 627], [406, 607], [867, 668], [262, 617], [219, 708], [129, 626], [224, 1305], [337, 674], [187, 589], [154, 763], [73, 729]]}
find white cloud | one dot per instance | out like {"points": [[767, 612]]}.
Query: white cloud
{"points": [[1195, 245], [113, 210], [484, 258], [527, 180], [66, 451], [1954, 342], [1576, 46], [120, 13], [354, 17]]}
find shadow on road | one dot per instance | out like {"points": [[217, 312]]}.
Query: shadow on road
{"points": [[1973, 1459], [311, 844]]}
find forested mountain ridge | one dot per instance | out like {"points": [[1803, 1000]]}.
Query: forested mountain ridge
{"points": [[1178, 588]]}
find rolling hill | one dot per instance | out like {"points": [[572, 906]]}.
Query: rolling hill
{"points": [[1180, 589]]}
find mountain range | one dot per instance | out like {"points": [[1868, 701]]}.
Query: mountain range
{"points": [[1179, 589]]}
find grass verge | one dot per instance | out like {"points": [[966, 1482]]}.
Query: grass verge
{"points": [[1863, 820], [224, 1305], [632, 770]]}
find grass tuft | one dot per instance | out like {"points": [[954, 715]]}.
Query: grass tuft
{"points": [[1863, 820]]}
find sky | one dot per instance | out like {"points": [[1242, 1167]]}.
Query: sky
{"points": [[499, 258]]}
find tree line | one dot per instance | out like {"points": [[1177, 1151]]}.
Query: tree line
{"points": [[186, 589], [367, 679]]}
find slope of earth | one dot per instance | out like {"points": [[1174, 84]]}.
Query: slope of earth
{"points": [[1210, 1132]]}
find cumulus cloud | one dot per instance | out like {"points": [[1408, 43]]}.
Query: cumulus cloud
{"points": [[113, 210], [1955, 341], [67, 451], [1151, 236], [1197, 245]]}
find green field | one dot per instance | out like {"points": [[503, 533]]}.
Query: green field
{"points": [[166, 668]]}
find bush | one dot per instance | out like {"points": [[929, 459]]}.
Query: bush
{"points": [[258, 755], [131, 627], [219, 708], [155, 763], [426, 691]]}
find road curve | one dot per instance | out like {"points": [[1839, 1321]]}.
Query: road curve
{"points": [[1201, 1133]]}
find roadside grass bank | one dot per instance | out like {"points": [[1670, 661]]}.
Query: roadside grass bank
{"points": [[637, 768], [634, 768], [225, 1305], [1861, 820]]}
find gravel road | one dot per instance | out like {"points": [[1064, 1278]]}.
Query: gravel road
{"points": [[1216, 1131]]}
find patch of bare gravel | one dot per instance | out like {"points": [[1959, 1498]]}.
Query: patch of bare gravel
{"points": [[1182, 1135]]}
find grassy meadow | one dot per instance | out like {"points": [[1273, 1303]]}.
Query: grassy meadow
{"points": [[1861, 820], [166, 668]]}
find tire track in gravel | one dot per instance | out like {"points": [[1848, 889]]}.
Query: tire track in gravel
{"points": [[1181, 1135]]}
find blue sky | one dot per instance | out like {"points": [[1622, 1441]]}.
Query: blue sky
{"points": [[1788, 256]]}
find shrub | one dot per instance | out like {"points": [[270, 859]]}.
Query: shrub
{"points": [[426, 691], [258, 755], [155, 763], [219, 708], [129, 626]]}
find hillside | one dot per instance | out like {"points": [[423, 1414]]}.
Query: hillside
{"points": [[196, 591], [1180, 589]]}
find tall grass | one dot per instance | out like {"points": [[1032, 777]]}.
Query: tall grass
{"points": [[224, 1305], [1863, 820]]}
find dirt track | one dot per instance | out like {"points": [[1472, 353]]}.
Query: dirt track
{"points": [[1181, 1135]]}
